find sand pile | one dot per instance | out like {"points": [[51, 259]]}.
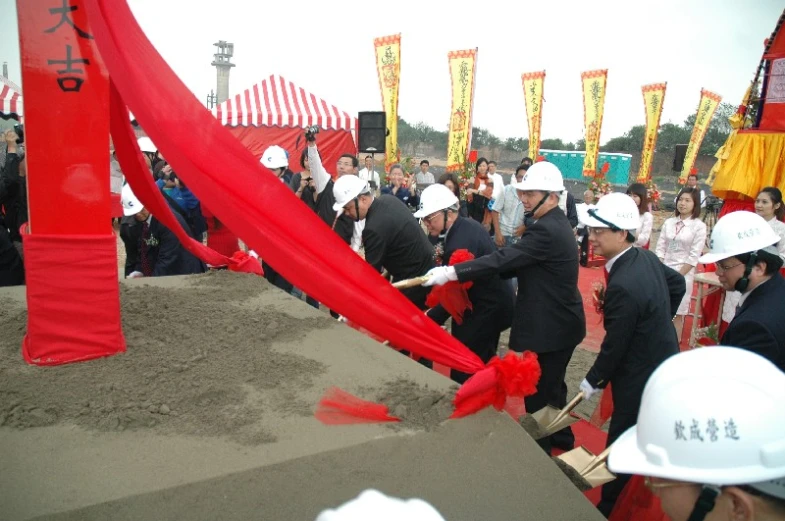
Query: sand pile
{"points": [[177, 374], [532, 428], [418, 407]]}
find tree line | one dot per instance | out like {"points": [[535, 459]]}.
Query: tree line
{"points": [[413, 138]]}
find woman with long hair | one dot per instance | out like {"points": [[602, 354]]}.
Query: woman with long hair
{"points": [[451, 181], [769, 205], [640, 195], [681, 244], [479, 194]]}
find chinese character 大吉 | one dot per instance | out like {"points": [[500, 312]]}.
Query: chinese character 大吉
{"points": [[730, 430], [68, 62], [678, 430], [712, 429], [65, 19]]}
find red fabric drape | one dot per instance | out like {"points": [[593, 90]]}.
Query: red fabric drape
{"points": [[84, 267], [637, 503], [254, 204]]}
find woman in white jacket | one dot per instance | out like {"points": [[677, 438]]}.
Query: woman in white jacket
{"points": [[640, 195], [681, 242]]}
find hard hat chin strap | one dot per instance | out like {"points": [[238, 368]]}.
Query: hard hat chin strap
{"points": [[705, 503], [443, 233], [534, 210], [742, 284], [357, 209]]}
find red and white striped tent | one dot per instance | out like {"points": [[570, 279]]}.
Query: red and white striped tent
{"points": [[10, 100], [275, 111]]}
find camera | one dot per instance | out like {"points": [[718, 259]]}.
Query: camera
{"points": [[310, 133], [19, 129]]}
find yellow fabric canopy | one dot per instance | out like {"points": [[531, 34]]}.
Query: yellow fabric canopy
{"points": [[747, 162]]}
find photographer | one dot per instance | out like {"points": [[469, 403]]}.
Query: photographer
{"points": [[13, 186], [348, 230]]}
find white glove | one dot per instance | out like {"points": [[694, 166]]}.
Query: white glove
{"points": [[135, 275], [440, 276], [587, 389]]}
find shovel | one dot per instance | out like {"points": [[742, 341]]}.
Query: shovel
{"points": [[410, 283], [590, 467], [551, 419]]}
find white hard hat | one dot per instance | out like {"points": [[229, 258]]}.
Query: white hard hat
{"points": [[617, 209], [712, 416], [131, 205], [346, 188], [372, 504], [542, 176], [434, 198], [146, 144], [737, 233], [275, 157]]}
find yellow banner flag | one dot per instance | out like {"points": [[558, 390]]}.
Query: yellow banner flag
{"points": [[594, 83], [388, 65], [533, 85], [708, 104], [463, 65], [653, 99]]}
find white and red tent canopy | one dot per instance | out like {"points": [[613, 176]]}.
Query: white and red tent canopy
{"points": [[276, 102], [10, 99]]}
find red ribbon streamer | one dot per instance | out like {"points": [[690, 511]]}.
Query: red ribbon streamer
{"points": [[453, 296], [338, 407], [255, 204]]}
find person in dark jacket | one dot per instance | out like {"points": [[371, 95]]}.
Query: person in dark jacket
{"points": [[13, 189], [392, 238], [743, 246], [160, 252], [450, 180], [12, 271], [396, 187], [641, 298], [491, 298], [548, 318], [325, 200]]}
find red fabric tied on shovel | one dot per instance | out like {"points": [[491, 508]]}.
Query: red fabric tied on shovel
{"points": [[338, 407], [255, 205], [604, 409], [85, 268], [453, 296]]}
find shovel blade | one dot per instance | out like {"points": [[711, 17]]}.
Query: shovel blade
{"points": [[600, 476], [578, 458]]}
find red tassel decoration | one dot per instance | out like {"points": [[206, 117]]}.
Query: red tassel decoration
{"points": [[337, 407]]}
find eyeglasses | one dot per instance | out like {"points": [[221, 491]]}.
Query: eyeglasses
{"points": [[724, 269], [597, 231], [431, 217], [661, 483]]}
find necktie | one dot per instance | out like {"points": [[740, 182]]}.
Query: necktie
{"points": [[147, 270]]}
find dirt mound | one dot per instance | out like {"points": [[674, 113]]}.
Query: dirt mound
{"points": [[573, 475], [418, 407], [178, 375]]}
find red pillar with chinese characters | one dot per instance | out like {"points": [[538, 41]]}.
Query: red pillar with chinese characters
{"points": [[70, 250]]}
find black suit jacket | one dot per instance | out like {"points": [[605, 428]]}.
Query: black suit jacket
{"points": [[491, 297], [548, 313], [168, 257], [759, 326], [641, 299]]}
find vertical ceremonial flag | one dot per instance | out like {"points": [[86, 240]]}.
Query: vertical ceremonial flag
{"points": [[533, 85], [388, 66], [708, 104], [653, 99], [463, 66], [594, 83]]}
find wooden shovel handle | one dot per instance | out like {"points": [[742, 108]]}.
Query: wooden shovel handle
{"points": [[598, 460], [410, 283], [568, 408]]}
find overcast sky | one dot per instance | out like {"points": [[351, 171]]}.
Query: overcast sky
{"points": [[327, 47]]}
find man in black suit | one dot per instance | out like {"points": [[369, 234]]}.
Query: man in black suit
{"points": [[548, 317], [160, 252], [491, 298], [743, 246], [641, 298]]}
